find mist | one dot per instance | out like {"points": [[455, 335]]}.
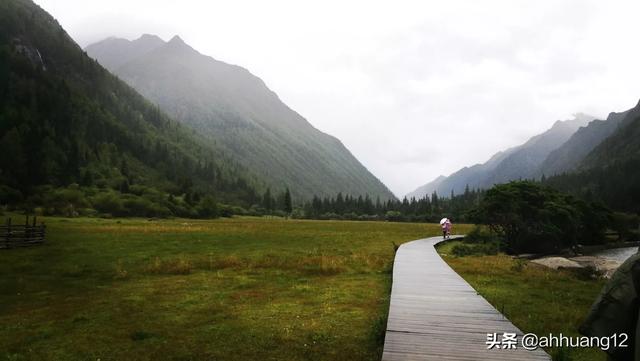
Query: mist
{"points": [[413, 90]]}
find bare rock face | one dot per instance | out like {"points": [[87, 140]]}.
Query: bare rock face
{"points": [[29, 52]]}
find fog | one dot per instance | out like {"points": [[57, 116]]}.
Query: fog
{"points": [[414, 89]]}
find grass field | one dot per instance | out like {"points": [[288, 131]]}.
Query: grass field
{"points": [[228, 289], [534, 298]]}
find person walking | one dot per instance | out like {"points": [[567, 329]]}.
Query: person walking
{"points": [[448, 226], [445, 224]]}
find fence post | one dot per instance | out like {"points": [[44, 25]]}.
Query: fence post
{"points": [[27, 231], [7, 239]]}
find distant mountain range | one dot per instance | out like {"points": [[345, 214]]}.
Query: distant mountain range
{"points": [[237, 112], [594, 159], [521, 162]]}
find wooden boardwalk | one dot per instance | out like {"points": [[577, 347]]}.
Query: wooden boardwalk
{"points": [[434, 314]]}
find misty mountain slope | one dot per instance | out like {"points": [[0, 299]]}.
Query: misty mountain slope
{"points": [[526, 160], [236, 110], [621, 146], [65, 119], [427, 189], [569, 155], [474, 176], [610, 173], [514, 163], [114, 52]]}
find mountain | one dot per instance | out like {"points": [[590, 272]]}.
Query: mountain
{"points": [[427, 189], [622, 145], [66, 120], [473, 176], [235, 110], [114, 52], [514, 163], [569, 155], [525, 161], [610, 173]]}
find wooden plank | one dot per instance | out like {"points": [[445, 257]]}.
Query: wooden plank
{"points": [[434, 314]]}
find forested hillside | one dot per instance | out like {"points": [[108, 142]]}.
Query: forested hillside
{"points": [[569, 156], [235, 110], [525, 161], [74, 136], [611, 171]]}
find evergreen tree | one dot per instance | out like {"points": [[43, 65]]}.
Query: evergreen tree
{"points": [[267, 200], [288, 206]]}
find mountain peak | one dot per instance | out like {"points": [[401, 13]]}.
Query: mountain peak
{"points": [[177, 40], [229, 106], [150, 37], [579, 120]]}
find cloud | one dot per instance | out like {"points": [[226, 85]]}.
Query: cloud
{"points": [[414, 89]]}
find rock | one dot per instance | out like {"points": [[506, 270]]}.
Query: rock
{"points": [[604, 265], [557, 262]]}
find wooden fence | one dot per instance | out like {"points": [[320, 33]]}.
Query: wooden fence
{"points": [[21, 235]]}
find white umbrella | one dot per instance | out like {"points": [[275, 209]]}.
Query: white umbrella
{"points": [[444, 220]]}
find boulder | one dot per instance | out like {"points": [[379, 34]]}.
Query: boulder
{"points": [[557, 262]]}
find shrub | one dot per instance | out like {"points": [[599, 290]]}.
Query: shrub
{"points": [[625, 224], [481, 235], [208, 207], [393, 216], [534, 218], [518, 265], [475, 249], [108, 203], [140, 206]]}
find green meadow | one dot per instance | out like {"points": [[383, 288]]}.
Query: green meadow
{"points": [[243, 289], [227, 289], [534, 298]]}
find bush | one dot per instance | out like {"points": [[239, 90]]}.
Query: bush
{"points": [[62, 201], [529, 217], [626, 225], [475, 249], [225, 211], [330, 215], [140, 206], [393, 216], [297, 214], [481, 235], [208, 207], [108, 203]]}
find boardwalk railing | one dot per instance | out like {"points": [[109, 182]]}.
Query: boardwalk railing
{"points": [[21, 235]]}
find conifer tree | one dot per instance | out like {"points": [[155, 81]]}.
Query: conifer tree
{"points": [[288, 206]]}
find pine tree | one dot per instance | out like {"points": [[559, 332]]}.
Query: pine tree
{"points": [[267, 200], [288, 206]]}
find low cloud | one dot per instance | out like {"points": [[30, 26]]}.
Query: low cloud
{"points": [[416, 89]]}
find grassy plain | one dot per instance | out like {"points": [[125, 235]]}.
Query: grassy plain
{"points": [[536, 299], [228, 289]]}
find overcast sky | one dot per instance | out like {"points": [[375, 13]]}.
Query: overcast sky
{"points": [[414, 89]]}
